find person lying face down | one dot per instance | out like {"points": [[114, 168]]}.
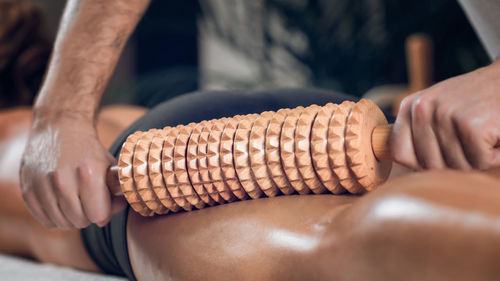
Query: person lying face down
{"points": [[450, 125], [414, 227]]}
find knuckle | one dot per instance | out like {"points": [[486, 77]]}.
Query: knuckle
{"points": [[444, 114], [28, 196], [405, 103], [422, 107], [61, 183], [84, 173], [466, 127], [56, 180]]}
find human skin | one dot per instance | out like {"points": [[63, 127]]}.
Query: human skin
{"points": [[430, 226], [62, 186], [453, 124], [426, 226], [20, 233]]}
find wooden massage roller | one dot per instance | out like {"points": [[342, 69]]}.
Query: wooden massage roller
{"points": [[316, 149]]}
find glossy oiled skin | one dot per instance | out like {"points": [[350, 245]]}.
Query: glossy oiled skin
{"points": [[429, 226], [285, 238]]}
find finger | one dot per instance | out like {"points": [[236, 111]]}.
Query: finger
{"points": [[36, 209], [94, 193], [401, 141], [50, 204], [66, 190], [449, 140], [31, 201], [425, 142]]}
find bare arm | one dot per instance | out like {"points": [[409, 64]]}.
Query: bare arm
{"points": [[63, 167], [90, 40]]}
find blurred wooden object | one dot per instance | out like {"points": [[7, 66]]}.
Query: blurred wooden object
{"points": [[419, 58]]}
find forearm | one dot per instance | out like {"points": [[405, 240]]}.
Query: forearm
{"points": [[483, 15], [91, 37]]}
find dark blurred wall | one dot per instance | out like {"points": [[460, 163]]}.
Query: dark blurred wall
{"points": [[166, 54], [167, 36], [457, 47]]}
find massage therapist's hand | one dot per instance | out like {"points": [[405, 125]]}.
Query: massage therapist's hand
{"points": [[63, 170], [63, 174], [454, 124]]}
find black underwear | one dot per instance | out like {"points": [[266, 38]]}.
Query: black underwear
{"points": [[108, 245]]}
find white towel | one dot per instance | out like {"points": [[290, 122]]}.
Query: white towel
{"points": [[17, 269]]}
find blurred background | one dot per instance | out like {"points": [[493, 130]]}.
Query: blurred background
{"points": [[350, 46]]}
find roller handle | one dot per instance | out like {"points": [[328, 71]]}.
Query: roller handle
{"points": [[112, 181], [380, 142]]}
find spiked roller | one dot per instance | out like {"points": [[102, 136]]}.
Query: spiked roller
{"points": [[317, 149]]}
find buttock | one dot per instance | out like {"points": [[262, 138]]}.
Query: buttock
{"points": [[108, 245]]}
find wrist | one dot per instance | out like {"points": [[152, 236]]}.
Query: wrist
{"points": [[54, 104], [45, 115]]}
